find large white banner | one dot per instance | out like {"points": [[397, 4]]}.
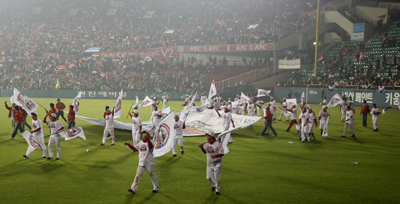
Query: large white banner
{"points": [[197, 123], [163, 140]]}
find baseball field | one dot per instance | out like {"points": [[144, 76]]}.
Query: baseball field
{"points": [[258, 169]]}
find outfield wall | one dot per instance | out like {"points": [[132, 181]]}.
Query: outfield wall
{"points": [[313, 95], [176, 96]]}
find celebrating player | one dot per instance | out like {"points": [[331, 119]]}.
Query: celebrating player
{"points": [[136, 126], [71, 117], [323, 121], [304, 119], [293, 115], [37, 133], [268, 122], [165, 100], [60, 106], [214, 152], [312, 120], [19, 122], [365, 111], [178, 139], [227, 121], [55, 128], [349, 122], [284, 106], [109, 128], [146, 162], [375, 116]]}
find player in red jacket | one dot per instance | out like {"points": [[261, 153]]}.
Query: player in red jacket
{"points": [[71, 117], [60, 106], [19, 121]]}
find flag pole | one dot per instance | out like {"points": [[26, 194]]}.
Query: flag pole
{"points": [[316, 41], [129, 110]]}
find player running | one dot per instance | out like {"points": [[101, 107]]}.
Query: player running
{"points": [[109, 127], [55, 128]]}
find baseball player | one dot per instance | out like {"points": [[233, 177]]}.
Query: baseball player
{"points": [[312, 120], [178, 139], [250, 108], [259, 104], [136, 126], [215, 152], [293, 115], [304, 119], [324, 102], [227, 121], [109, 127], [349, 122], [343, 109], [323, 121], [55, 128], [268, 122], [37, 133], [165, 100], [18, 122], [284, 106], [156, 118], [146, 162], [203, 99], [375, 116]]}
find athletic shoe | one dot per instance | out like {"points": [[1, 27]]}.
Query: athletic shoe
{"points": [[217, 193], [276, 135], [131, 191], [44, 157], [102, 144], [57, 158], [287, 130], [11, 138], [212, 189], [49, 158], [25, 156], [182, 152], [154, 191], [112, 144], [343, 136], [279, 120], [174, 155], [353, 136]]}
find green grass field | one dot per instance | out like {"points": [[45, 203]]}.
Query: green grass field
{"points": [[257, 170]]}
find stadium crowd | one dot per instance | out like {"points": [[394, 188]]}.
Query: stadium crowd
{"points": [[40, 27]]}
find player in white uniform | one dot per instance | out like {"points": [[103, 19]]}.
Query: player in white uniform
{"points": [[165, 100], [146, 162], [215, 152], [293, 115], [203, 99], [304, 120], [323, 121], [284, 106], [55, 128], [156, 118], [37, 133], [343, 110], [109, 127], [250, 108], [273, 108], [324, 102], [227, 121], [375, 112], [178, 138], [136, 127], [312, 120], [349, 122], [259, 106]]}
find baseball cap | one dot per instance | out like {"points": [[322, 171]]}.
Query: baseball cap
{"points": [[212, 134], [136, 112], [53, 115]]}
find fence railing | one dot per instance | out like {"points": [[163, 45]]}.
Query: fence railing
{"points": [[243, 79]]}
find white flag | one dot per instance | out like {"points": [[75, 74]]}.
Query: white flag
{"points": [[252, 26], [262, 92], [284, 111], [187, 108], [163, 140], [335, 101], [146, 102], [136, 105], [243, 96], [303, 97], [30, 139], [224, 139], [291, 102], [213, 91], [73, 133], [77, 102], [118, 105], [25, 102]]}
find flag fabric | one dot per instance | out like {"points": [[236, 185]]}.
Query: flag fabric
{"points": [[118, 105], [243, 96], [163, 140], [25, 102], [381, 89], [73, 133], [303, 97], [136, 105], [284, 111], [224, 139], [262, 92], [77, 102], [30, 139], [291, 102], [335, 101], [331, 87], [187, 108], [213, 91], [146, 102]]}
